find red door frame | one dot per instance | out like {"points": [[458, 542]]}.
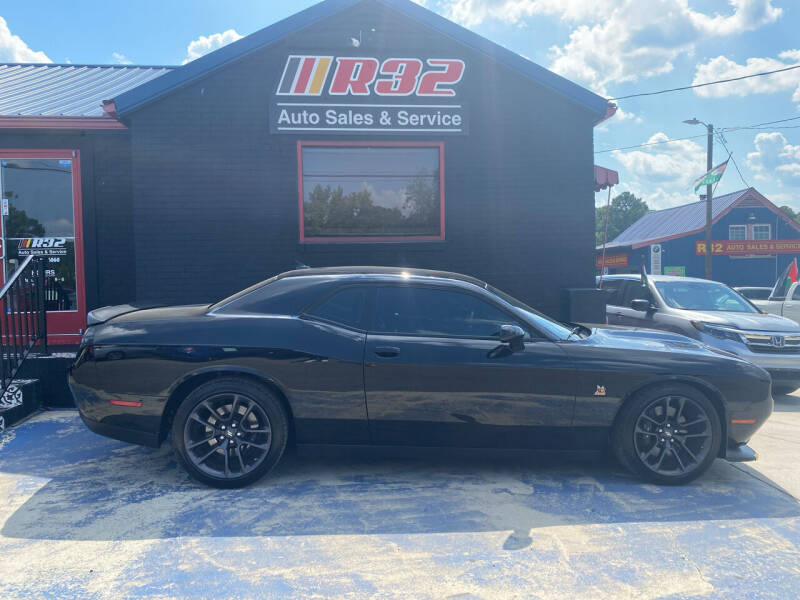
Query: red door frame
{"points": [[63, 328]]}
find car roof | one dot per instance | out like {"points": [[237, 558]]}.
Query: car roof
{"points": [[635, 276], [359, 272]]}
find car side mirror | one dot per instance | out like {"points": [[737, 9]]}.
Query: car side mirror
{"points": [[640, 304], [511, 333]]}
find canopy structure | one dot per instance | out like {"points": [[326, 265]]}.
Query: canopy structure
{"points": [[604, 178]]}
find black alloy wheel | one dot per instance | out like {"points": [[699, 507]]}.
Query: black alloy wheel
{"points": [[668, 435], [230, 432]]}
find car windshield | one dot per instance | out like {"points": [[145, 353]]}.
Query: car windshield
{"points": [[702, 295], [543, 322]]}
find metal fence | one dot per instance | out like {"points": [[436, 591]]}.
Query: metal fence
{"points": [[23, 324]]}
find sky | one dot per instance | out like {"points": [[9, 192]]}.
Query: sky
{"points": [[613, 47]]}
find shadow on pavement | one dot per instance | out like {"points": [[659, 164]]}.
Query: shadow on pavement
{"points": [[69, 484], [786, 403]]}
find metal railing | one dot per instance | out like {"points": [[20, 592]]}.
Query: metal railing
{"points": [[23, 323]]}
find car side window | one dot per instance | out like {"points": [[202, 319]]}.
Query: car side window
{"points": [[634, 290], [345, 307], [435, 311], [796, 293], [613, 290]]}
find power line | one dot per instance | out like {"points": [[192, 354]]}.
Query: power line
{"points": [[765, 125], [691, 137], [699, 85], [757, 125], [721, 139]]}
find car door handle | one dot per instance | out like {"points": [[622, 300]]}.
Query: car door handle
{"points": [[387, 351]]}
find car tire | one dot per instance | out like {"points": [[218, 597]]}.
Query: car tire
{"points": [[227, 449], [669, 434]]}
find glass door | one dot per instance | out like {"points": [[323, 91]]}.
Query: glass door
{"points": [[40, 202]]}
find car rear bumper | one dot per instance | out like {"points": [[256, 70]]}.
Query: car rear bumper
{"points": [[122, 434], [132, 419]]}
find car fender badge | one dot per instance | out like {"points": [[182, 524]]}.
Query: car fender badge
{"points": [[600, 391]]}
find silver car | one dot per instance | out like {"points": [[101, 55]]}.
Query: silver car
{"points": [[712, 313]]}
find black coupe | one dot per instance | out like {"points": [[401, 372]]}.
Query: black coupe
{"points": [[391, 357]]}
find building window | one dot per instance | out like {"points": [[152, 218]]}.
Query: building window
{"points": [[762, 231], [758, 231], [351, 191], [737, 232]]}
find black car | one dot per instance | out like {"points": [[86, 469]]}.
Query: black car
{"points": [[390, 357]]}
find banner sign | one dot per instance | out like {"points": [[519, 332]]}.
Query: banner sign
{"points": [[731, 247], [323, 94], [612, 260], [675, 271]]}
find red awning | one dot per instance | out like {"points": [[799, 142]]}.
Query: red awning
{"points": [[604, 178]]}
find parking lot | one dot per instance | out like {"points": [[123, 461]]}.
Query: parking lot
{"points": [[89, 517]]}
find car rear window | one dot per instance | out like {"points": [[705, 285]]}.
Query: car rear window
{"points": [[344, 307], [277, 296]]}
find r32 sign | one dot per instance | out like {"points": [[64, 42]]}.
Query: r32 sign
{"points": [[362, 76]]}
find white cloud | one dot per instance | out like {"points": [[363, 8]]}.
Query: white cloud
{"points": [[474, 12], [13, 49], [619, 40], [121, 59], [775, 159], [662, 174], [723, 68], [205, 44]]}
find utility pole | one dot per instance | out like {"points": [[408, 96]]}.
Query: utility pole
{"points": [[709, 192]]}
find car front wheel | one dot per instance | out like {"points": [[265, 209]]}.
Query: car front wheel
{"points": [[669, 434], [229, 432]]}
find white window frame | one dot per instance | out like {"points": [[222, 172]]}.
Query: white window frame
{"points": [[731, 228], [752, 230]]}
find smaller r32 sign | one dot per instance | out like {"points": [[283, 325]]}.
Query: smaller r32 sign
{"points": [[365, 94]]}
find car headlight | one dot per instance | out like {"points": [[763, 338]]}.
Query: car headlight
{"points": [[718, 331]]}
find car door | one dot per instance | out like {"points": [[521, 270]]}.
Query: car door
{"points": [[435, 374], [791, 306], [613, 289], [634, 290]]}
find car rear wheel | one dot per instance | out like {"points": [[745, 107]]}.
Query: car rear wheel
{"points": [[668, 435], [229, 432]]}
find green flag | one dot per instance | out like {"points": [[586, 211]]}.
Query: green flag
{"points": [[712, 177]]}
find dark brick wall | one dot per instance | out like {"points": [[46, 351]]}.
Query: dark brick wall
{"points": [[215, 195], [109, 259]]}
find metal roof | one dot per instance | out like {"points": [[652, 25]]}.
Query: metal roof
{"points": [[204, 65], [674, 222], [37, 90]]}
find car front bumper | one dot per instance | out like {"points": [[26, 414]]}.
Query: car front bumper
{"points": [[783, 368], [741, 453]]}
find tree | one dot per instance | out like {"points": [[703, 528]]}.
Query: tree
{"points": [[20, 225], [790, 211], [626, 209]]}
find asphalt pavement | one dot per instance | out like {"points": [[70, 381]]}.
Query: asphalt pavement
{"points": [[82, 516]]}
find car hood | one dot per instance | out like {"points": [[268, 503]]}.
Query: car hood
{"points": [[651, 339], [744, 321]]}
